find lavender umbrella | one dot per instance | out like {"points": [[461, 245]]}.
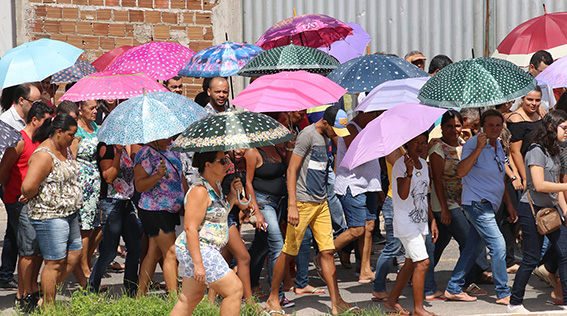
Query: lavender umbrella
{"points": [[351, 47]]}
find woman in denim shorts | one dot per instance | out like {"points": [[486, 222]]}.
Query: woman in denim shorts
{"points": [[206, 232], [55, 196]]}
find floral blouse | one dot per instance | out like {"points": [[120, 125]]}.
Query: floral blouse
{"points": [[452, 182], [213, 231], [59, 194]]}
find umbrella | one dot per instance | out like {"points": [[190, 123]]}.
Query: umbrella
{"points": [[288, 91], [221, 60], [389, 131], [111, 85], [391, 93], [554, 75], [546, 32], [35, 61], [149, 117], [159, 60], [109, 57], [232, 130], [313, 30], [364, 73], [351, 47], [9, 136], [289, 58], [80, 69], [476, 82]]}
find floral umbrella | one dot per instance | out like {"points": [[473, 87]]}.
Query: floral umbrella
{"points": [[232, 130], [221, 60], [313, 30], [80, 69]]}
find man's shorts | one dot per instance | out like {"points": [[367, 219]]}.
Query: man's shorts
{"points": [[359, 209], [27, 239], [415, 247], [317, 216]]}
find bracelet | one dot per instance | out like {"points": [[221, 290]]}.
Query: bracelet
{"points": [[289, 149]]}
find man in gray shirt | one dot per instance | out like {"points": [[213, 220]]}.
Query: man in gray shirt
{"points": [[307, 204]]}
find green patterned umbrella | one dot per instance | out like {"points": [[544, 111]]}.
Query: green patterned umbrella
{"points": [[232, 130], [289, 58], [476, 82]]}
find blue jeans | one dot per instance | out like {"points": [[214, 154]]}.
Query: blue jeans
{"points": [[58, 236], [532, 252], [302, 260], [335, 206], [118, 219], [430, 286], [10, 245], [482, 219], [270, 242], [392, 248]]}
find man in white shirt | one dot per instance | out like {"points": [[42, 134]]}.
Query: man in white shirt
{"points": [[24, 95], [218, 93]]}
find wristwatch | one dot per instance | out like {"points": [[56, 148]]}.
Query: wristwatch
{"points": [[408, 175], [513, 178]]}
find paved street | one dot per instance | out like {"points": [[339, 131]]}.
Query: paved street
{"points": [[537, 294]]}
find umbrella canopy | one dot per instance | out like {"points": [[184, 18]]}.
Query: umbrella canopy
{"points": [[149, 117], [232, 130], [221, 60], [9, 136], [109, 57], [555, 75], [80, 69], [364, 73], [476, 82], [288, 91], [313, 30], [35, 61], [158, 60], [389, 131], [289, 58], [391, 93], [546, 32], [351, 47], [111, 85]]}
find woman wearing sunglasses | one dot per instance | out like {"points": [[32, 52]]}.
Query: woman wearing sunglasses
{"points": [[205, 233], [482, 171], [543, 190]]}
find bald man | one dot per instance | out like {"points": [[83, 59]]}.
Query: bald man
{"points": [[218, 93]]}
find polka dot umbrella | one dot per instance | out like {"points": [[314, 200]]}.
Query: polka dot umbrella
{"points": [[476, 82], [364, 73], [289, 58], [232, 130], [80, 69], [9, 136], [158, 60]]}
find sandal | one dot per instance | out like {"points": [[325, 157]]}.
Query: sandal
{"points": [[475, 290]]}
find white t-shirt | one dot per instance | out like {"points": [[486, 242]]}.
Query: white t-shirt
{"points": [[410, 215]]}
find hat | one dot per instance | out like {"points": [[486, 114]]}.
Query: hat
{"points": [[338, 120]]}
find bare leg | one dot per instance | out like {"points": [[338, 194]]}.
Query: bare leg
{"points": [[191, 294], [352, 233], [230, 288], [166, 244], [237, 248], [74, 261], [148, 266], [365, 247], [418, 282], [50, 278], [401, 282], [330, 275], [273, 302], [96, 238]]}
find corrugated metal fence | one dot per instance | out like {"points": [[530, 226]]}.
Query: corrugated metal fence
{"points": [[450, 27]]}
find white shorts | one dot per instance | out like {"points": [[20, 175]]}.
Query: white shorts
{"points": [[415, 247]]}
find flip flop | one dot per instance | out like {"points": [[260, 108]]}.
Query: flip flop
{"points": [[272, 313], [316, 291], [352, 309], [379, 299]]}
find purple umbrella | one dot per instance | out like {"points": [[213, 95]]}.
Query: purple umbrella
{"points": [[389, 131], [351, 47]]}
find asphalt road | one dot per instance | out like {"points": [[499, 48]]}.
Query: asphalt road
{"points": [[537, 293]]}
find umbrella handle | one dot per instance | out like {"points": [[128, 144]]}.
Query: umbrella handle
{"points": [[242, 202]]}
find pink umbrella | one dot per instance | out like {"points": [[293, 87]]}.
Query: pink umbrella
{"points": [[159, 60], [389, 131], [111, 85], [109, 57], [351, 47], [288, 91]]}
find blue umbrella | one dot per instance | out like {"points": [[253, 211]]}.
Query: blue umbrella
{"points": [[149, 117], [364, 73], [35, 61], [79, 70], [9, 136], [222, 60]]}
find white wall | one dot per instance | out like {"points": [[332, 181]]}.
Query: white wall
{"points": [[7, 34]]}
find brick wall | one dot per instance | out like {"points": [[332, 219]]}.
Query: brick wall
{"points": [[98, 26]]}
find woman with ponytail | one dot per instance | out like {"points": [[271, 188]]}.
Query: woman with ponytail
{"points": [[55, 196]]}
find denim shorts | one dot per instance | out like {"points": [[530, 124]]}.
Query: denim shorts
{"points": [[57, 236], [214, 263], [27, 239], [359, 209]]}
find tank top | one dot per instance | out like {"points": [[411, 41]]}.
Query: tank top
{"points": [[270, 176], [19, 170]]}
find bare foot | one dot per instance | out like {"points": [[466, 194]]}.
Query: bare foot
{"points": [[380, 296], [343, 307], [273, 307], [366, 277], [397, 308], [436, 296], [422, 312], [504, 300], [309, 289]]}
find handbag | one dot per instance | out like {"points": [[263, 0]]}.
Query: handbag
{"points": [[547, 219]]}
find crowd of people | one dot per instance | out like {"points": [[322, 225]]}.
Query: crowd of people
{"points": [[478, 177]]}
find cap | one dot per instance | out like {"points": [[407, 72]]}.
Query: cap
{"points": [[338, 120]]}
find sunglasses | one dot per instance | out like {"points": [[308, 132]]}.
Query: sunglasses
{"points": [[223, 161], [32, 102], [564, 127], [498, 163]]}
